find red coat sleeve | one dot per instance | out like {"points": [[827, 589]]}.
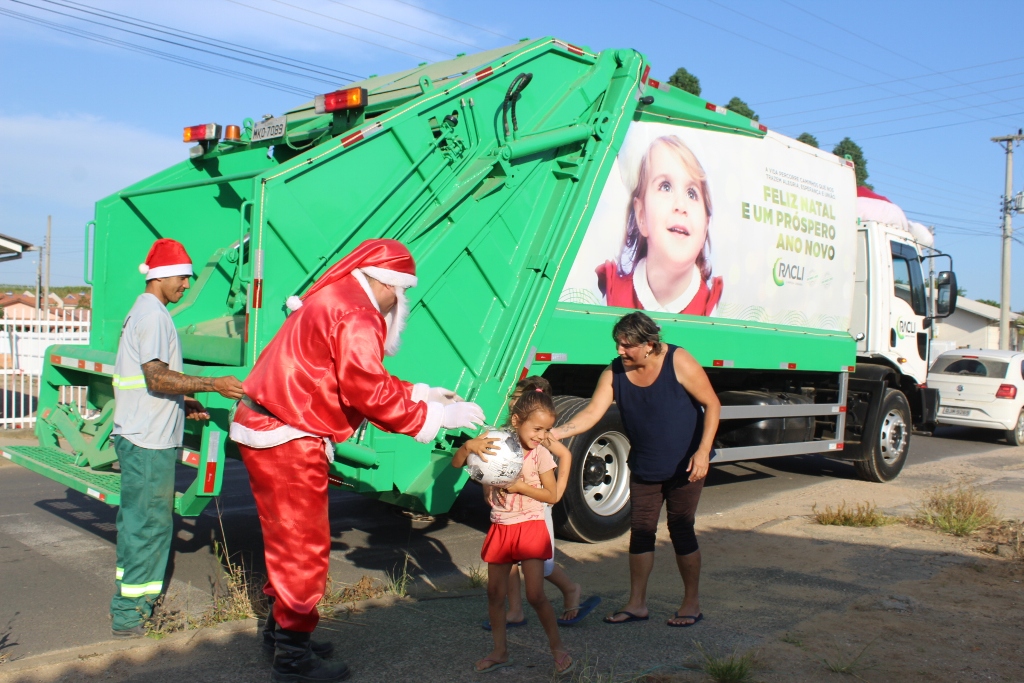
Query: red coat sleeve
{"points": [[357, 348]]}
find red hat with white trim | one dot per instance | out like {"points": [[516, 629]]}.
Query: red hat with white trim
{"points": [[166, 258]]}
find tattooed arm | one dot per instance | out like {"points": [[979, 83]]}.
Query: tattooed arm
{"points": [[162, 380], [595, 410]]}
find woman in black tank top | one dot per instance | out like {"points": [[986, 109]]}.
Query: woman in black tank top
{"points": [[670, 413]]}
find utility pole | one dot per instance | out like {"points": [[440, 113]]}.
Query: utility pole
{"points": [[1007, 142], [39, 277], [49, 248]]}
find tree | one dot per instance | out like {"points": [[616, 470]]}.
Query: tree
{"points": [[960, 291], [848, 146], [808, 139], [742, 108], [990, 302], [684, 80]]}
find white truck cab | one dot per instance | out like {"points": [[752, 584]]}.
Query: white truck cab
{"points": [[892, 320]]}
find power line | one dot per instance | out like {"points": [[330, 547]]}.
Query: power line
{"points": [[323, 28], [166, 56], [169, 42], [365, 28], [897, 80], [402, 23], [925, 175], [976, 195], [208, 40], [947, 125], [464, 23]]}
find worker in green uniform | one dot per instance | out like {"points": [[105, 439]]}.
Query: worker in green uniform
{"points": [[149, 412]]}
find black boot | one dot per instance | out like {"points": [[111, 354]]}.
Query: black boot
{"points": [[321, 648], [294, 661]]}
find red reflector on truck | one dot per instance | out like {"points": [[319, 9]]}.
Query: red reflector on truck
{"points": [[542, 357], [206, 131], [340, 100], [1006, 391], [211, 477]]}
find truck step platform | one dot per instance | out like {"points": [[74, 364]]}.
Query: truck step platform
{"points": [[60, 466]]}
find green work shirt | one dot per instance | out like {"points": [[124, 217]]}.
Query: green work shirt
{"points": [[147, 419]]}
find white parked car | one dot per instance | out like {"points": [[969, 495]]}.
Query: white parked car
{"points": [[981, 388]]}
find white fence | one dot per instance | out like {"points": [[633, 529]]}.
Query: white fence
{"points": [[23, 344]]}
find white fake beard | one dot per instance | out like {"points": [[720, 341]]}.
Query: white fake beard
{"points": [[395, 321]]}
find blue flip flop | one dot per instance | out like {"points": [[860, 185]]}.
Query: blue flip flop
{"points": [[685, 616], [585, 608], [632, 617], [508, 624]]}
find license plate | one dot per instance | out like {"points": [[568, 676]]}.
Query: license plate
{"points": [[960, 412], [269, 129]]}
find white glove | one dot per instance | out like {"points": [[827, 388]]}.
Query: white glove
{"points": [[442, 395], [461, 415]]}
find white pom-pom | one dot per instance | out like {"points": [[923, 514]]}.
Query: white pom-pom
{"points": [[293, 303], [143, 268]]}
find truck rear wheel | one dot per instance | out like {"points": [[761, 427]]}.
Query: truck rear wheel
{"points": [[595, 506], [887, 451]]}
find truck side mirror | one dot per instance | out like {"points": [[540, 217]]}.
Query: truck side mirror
{"points": [[945, 290]]}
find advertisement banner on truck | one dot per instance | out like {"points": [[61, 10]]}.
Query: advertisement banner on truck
{"points": [[714, 224]]}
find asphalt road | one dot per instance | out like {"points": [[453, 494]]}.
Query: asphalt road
{"points": [[57, 545]]}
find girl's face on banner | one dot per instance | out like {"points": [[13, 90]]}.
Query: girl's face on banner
{"points": [[671, 213]]}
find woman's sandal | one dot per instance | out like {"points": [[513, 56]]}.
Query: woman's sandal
{"points": [[561, 660], [493, 667]]}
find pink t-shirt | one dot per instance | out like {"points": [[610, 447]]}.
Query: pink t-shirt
{"points": [[518, 508]]}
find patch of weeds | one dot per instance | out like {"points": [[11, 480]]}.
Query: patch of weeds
{"points": [[1005, 539], [959, 510], [587, 671], [477, 575], [397, 582], [864, 514], [843, 664], [792, 640], [4, 656], [734, 668]]}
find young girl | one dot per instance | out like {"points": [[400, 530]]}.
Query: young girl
{"points": [[518, 532], [573, 609], [665, 263]]}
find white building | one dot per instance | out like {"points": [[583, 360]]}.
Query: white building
{"points": [[973, 325]]}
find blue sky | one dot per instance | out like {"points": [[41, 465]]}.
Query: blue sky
{"points": [[922, 87]]}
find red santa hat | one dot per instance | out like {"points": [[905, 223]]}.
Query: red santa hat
{"points": [[386, 261], [166, 258]]}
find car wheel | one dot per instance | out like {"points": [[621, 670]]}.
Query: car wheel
{"points": [[1015, 436], [887, 451], [595, 506]]}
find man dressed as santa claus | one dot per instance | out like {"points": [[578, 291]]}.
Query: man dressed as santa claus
{"points": [[312, 387]]}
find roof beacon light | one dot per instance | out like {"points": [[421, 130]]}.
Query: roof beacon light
{"points": [[233, 132], [339, 100], [201, 133]]}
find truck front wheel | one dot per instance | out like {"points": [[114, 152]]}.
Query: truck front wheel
{"points": [[595, 506], [887, 451]]}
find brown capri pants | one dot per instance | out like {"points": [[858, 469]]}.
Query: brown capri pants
{"points": [[647, 498]]}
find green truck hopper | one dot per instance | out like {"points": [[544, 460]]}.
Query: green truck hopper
{"points": [[490, 168]]}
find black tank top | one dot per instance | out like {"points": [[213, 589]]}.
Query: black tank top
{"points": [[663, 422]]}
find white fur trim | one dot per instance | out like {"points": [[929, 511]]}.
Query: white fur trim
{"points": [[396, 322], [390, 277], [143, 268], [258, 439], [432, 424], [420, 392], [364, 283], [168, 271], [293, 303]]}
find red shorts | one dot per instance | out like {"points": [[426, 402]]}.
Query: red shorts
{"points": [[509, 543]]}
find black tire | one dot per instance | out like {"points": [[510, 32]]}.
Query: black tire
{"points": [[889, 444], [590, 512], [1015, 437]]}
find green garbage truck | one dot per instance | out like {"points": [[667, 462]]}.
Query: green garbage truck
{"points": [[544, 189]]}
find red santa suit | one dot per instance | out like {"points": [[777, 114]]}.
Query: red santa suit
{"points": [[315, 383], [633, 291]]}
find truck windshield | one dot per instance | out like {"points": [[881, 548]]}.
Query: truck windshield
{"points": [[907, 281], [975, 367]]}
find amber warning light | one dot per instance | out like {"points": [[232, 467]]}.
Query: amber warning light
{"points": [[339, 100], [201, 133]]}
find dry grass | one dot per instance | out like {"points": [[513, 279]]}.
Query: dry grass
{"points": [[864, 514], [733, 668], [397, 582], [477, 575], [959, 510], [588, 671], [1005, 539], [842, 663]]}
